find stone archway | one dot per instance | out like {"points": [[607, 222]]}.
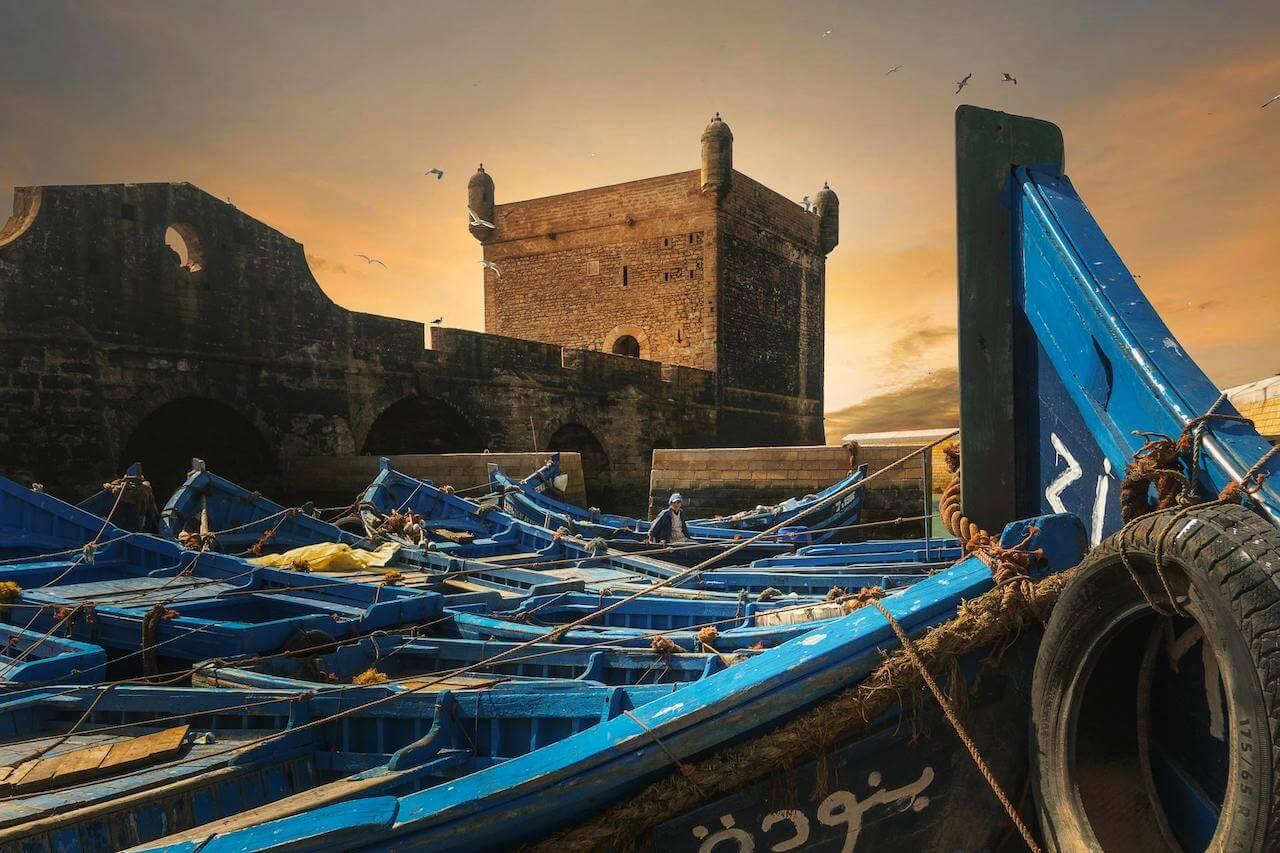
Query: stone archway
{"points": [[627, 340], [166, 440], [597, 473], [422, 425]]}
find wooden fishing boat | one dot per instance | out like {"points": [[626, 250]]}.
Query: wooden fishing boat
{"points": [[530, 500], [103, 769], [569, 780], [410, 661], [133, 593], [30, 657]]}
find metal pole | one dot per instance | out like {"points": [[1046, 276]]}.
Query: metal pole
{"points": [[927, 493]]}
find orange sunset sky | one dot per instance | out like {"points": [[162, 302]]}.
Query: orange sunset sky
{"points": [[321, 118]]}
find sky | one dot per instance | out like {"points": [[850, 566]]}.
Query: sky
{"points": [[321, 119]]}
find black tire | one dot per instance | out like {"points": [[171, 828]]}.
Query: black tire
{"points": [[1100, 710]]}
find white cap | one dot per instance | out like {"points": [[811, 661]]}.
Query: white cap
{"points": [[675, 496]]}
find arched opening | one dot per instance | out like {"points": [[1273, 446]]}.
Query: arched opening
{"points": [[166, 440], [184, 247], [628, 346], [596, 473], [422, 425]]}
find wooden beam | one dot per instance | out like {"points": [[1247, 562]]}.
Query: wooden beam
{"points": [[989, 146]]}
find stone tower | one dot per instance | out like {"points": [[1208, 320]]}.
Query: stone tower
{"points": [[480, 202], [717, 158], [705, 268]]}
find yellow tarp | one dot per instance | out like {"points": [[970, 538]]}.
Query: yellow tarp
{"points": [[330, 557]]}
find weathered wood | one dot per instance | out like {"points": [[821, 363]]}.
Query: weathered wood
{"points": [[989, 146], [93, 762]]}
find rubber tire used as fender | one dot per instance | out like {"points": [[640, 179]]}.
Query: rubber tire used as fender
{"points": [[1221, 563]]}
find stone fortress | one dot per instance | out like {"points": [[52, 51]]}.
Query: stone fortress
{"points": [[677, 311]]}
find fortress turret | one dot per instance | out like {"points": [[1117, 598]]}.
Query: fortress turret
{"points": [[827, 205], [480, 202], [717, 157]]}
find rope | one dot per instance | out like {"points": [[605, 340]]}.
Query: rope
{"points": [[979, 623], [680, 765], [953, 519], [909, 648]]}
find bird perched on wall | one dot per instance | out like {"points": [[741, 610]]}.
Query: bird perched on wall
{"points": [[369, 260], [439, 173], [437, 321], [806, 204], [1009, 78], [476, 220], [490, 265], [960, 84], [1270, 102], [894, 70]]}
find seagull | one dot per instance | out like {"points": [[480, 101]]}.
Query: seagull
{"points": [[1008, 78], [476, 220], [490, 265], [827, 33], [962, 83], [437, 321], [806, 204], [894, 70], [439, 173], [369, 260], [1270, 102]]}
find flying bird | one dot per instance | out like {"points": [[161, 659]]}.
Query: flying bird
{"points": [[437, 321], [369, 260], [1270, 102], [490, 265], [476, 220], [1009, 78], [894, 70], [827, 33], [439, 173], [962, 83]]}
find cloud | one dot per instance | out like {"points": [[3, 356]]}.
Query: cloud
{"points": [[915, 344], [319, 264], [930, 402]]}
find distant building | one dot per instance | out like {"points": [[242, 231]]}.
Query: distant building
{"points": [[1260, 401], [705, 268]]}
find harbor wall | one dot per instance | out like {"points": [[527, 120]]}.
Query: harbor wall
{"points": [[722, 481]]}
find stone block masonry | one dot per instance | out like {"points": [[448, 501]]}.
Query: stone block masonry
{"points": [[115, 349], [723, 481]]}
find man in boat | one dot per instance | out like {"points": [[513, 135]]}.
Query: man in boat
{"points": [[669, 526]]}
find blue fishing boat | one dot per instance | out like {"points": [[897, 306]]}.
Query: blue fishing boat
{"points": [[221, 515], [568, 781], [140, 595], [1153, 687], [104, 769], [30, 657], [529, 499], [410, 662]]}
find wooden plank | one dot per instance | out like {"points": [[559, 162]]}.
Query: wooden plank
{"points": [[95, 761], [989, 146]]}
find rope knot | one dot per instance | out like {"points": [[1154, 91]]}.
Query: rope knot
{"points": [[664, 646], [863, 597], [707, 637]]}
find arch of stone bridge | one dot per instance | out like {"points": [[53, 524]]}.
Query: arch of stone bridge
{"points": [[420, 424]]}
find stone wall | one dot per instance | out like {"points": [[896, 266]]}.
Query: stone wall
{"points": [[584, 268], [733, 285], [335, 480], [722, 481], [115, 350], [727, 480]]}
